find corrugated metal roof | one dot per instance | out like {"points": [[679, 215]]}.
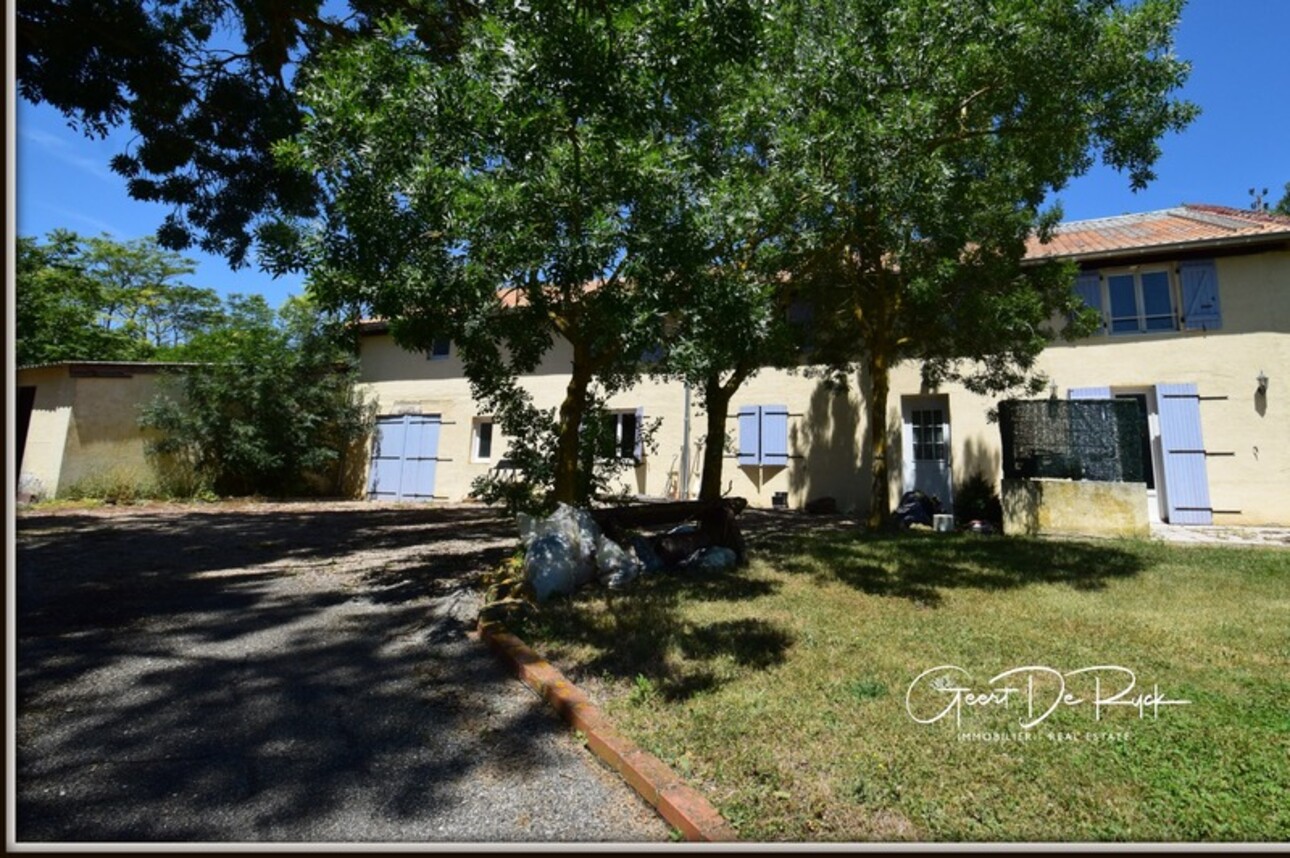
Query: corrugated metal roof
{"points": [[1190, 223]]}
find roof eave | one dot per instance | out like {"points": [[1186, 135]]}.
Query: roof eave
{"points": [[1172, 247]]}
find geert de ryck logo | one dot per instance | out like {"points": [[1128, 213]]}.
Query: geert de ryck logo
{"points": [[1034, 692]]}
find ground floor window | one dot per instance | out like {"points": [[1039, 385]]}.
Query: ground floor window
{"points": [[481, 440], [621, 436]]}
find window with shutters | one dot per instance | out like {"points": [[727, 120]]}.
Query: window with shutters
{"points": [[763, 435], [1145, 300], [1141, 301]]}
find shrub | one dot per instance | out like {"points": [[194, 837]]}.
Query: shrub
{"points": [[976, 499]]}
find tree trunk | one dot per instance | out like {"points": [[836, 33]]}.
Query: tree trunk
{"points": [[567, 488], [717, 404], [876, 408]]}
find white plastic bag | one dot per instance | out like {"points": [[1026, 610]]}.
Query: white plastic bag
{"points": [[550, 565], [561, 550], [617, 567]]}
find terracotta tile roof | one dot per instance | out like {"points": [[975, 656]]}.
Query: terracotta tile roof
{"points": [[509, 296], [1188, 224]]}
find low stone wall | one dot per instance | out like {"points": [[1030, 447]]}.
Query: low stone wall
{"points": [[1077, 507]]}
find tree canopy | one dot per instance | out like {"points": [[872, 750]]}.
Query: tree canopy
{"points": [[535, 187], [925, 137], [95, 298], [1283, 205]]}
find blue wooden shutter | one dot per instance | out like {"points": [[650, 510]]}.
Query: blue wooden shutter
{"points": [[774, 435], [387, 457], [1200, 308], [749, 435], [418, 461], [1089, 393], [425, 455], [1186, 480], [1089, 287], [639, 444]]}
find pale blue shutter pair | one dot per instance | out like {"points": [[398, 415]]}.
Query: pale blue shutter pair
{"points": [[763, 435], [1199, 279], [405, 457]]}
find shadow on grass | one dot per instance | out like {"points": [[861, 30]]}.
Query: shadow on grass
{"points": [[919, 567], [641, 632]]}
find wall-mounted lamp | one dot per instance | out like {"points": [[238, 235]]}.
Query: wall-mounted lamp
{"points": [[1263, 383]]}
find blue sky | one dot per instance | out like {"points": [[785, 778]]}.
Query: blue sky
{"points": [[1241, 139]]}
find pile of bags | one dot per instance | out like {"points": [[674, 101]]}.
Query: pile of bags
{"points": [[567, 549]]}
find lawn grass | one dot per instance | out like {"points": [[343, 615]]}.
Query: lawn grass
{"points": [[780, 689]]}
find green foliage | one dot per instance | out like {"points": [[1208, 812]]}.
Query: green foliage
{"points": [[118, 485], [976, 500], [643, 691], [83, 298], [890, 158], [525, 482], [550, 160], [204, 87], [1283, 205], [921, 139], [272, 407]]}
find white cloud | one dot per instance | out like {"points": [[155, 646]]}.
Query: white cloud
{"points": [[88, 220], [59, 148]]}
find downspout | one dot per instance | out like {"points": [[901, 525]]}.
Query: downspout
{"points": [[685, 446]]}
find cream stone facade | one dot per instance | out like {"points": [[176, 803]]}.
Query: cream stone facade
{"points": [[939, 438], [82, 424]]}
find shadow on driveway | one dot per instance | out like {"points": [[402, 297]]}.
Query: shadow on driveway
{"points": [[283, 673]]}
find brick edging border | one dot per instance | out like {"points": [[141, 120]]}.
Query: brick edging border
{"points": [[678, 803]]}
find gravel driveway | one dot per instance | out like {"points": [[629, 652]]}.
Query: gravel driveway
{"points": [[283, 672]]}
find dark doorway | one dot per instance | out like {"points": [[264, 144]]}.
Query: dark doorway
{"points": [[26, 402], [1144, 429]]}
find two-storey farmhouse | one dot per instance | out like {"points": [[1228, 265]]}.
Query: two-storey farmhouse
{"points": [[1195, 303]]}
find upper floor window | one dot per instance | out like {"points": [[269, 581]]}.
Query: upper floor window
{"points": [[439, 349], [1141, 301], [1148, 299]]}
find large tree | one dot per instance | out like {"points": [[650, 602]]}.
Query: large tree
{"points": [[926, 137], [533, 187]]}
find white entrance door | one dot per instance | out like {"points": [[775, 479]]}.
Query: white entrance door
{"points": [[925, 446]]}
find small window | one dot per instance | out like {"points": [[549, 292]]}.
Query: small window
{"points": [[481, 440], [801, 317], [622, 435], [439, 349]]}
